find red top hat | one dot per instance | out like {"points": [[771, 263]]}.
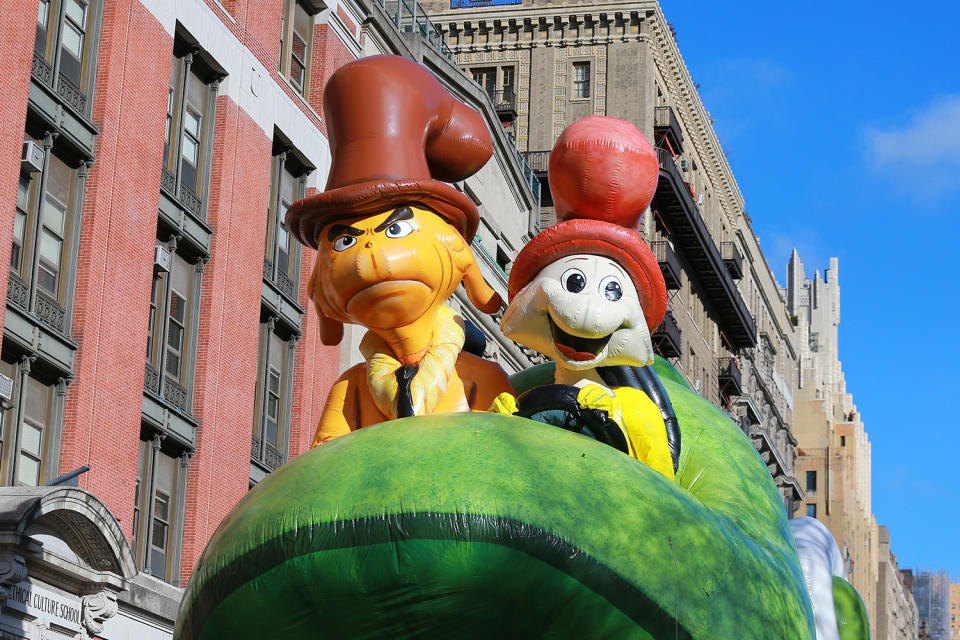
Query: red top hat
{"points": [[603, 174], [396, 137]]}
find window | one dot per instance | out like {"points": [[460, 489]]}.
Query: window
{"points": [[44, 234], [29, 437], [271, 425], [811, 483], [281, 253], [486, 78], [499, 83], [158, 509], [191, 102], [64, 26], [295, 43], [172, 330], [812, 510], [581, 79], [508, 80], [843, 441]]}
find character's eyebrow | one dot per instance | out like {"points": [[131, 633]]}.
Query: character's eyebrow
{"points": [[400, 213], [618, 267], [575, 259], [340, 229]]}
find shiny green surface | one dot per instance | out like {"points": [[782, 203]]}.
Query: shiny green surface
{"points": [[711, 553], [852, 620]]}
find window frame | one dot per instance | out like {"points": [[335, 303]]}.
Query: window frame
{"points": [[153, 445], [48, 61], [811, 480], [281, 163], [51, 310], [271, 331], [25, 372], [287, 33], [582, 83], [158, 378], [188, 63]]}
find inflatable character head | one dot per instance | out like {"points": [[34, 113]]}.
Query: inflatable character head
{"points": [[588, 291], [392, 237]]}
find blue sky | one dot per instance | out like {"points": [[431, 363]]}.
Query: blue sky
{"points": [[841, 122]]}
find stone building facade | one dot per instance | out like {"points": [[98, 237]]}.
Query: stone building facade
{"points": [[156, 339], [833, 450], [546, 64], [955, 610], [897, 617]]}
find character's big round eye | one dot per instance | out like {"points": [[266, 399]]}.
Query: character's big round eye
{"points": [[610, 287], [344, 242], [573, 280], [399, 229]]}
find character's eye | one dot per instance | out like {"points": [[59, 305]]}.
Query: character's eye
{"points": [[344, 242], [399, 229], [610, 287], [573, 280]]}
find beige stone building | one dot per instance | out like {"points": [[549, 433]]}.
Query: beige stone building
{"points": [[897, 616], [833, 450], [544, 65], [955, 609]]}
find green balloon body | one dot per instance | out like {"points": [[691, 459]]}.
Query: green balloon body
{"points": [[852, 620], [484, 526]]}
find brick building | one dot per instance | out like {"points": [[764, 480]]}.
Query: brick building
{"points": [[155, 326]]}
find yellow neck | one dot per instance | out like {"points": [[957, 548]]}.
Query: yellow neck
{"points": [[410, 342]]}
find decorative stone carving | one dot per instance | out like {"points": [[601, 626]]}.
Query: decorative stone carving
{"points": [[97, 609], [13, 570]]}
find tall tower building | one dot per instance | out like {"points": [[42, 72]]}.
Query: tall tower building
{"points": [[547, 63], [833, 450]]}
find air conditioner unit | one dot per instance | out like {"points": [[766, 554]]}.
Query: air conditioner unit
{"points": [[6, 390], [161, 259], [32, 159], [685, 165]]}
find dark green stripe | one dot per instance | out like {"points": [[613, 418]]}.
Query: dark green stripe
{"points": [[465, 527]]}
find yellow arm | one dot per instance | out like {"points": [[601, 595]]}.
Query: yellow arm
{"points": [[640, 419], [333, 422]]}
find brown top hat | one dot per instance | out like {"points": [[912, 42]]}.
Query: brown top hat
{"points": [[396, 137]]}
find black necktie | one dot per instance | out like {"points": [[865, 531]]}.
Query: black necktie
{"points": [[404, 400]]}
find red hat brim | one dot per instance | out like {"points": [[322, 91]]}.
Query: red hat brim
{"points": [[308, 216], [596, 237]]}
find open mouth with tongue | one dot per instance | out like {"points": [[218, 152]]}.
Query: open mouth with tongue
{"points": [[574, 347]]}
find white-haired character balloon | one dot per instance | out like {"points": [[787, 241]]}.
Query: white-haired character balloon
{"points": [[588, 291]]}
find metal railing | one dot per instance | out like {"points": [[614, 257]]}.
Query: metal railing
{"points": [[503, 100], [539, 161], [667, 337], [665, 121], [730, 376], [669, 263], [732, 258], [410, 17], [528, 175]]}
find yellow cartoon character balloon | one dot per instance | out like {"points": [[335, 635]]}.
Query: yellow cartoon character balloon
{"points": [[392, 242]]}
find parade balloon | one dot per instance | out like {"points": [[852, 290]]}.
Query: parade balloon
{"points": [[477, 525]]}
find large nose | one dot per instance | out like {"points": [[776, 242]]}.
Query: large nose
{"points": [[381, 260], [589, 313]]}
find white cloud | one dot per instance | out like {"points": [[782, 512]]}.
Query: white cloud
{"points": [[922, 158]]}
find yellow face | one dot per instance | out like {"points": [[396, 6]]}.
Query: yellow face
{"points": [[389, 269]]}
